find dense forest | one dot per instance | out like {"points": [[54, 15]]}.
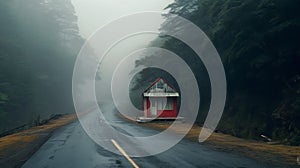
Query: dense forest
{"points": [[258, 42], [39, 42]]}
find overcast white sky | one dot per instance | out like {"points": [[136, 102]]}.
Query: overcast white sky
{"points": [[93, 14]]}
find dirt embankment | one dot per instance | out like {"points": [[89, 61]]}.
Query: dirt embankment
{"points": [[276, 154], [15, 149]]}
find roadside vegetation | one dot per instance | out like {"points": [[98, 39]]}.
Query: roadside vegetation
{"points": [[39, 42], [258, 42]]}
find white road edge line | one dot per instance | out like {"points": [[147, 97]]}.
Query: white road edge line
{"points": [[124, 153]]}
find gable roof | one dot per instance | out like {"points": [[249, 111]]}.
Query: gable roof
{"points": [[160, 88]]}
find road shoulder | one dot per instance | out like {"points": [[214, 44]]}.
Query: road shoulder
{"points": [[17, 148], [275, 154]]}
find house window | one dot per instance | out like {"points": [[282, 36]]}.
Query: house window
{"points": [[165, 104], [160, 85], [169, 105]]}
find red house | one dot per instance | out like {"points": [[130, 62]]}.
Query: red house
{"points": [[160, 100]]}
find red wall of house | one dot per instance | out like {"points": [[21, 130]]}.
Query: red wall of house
{"points": [[147, 110], [162, 113]]}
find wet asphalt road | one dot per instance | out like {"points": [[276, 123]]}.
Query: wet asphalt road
{"points": [[71, 147]]}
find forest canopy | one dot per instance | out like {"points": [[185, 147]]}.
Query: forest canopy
{"points": [[39, 42], [258, 42]]}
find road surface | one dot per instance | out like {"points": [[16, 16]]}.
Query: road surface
{"points": [[71, 147]]}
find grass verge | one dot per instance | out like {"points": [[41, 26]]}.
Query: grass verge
{"points": [[276, 154], [17, 148]]}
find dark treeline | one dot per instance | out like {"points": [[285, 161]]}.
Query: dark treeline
{"points": [[38, 45], [258, 42]]}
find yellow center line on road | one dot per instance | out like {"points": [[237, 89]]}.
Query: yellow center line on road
{"points": [[124, 153]]}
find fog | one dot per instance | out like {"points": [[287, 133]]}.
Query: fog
{"points": [[93, 14]]}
